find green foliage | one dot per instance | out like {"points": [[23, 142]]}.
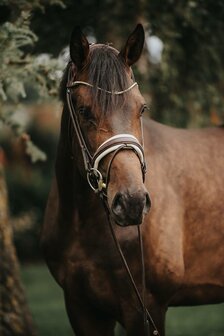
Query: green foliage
{"points": [[109, 21], [188, 85], [22, 72], [13, 62], [186, 88], [25, 77], [34, 152], [18, 67]]}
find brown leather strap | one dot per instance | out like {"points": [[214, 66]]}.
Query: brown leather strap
{"points": [[111, 143], [147, 318], [87, 157]]}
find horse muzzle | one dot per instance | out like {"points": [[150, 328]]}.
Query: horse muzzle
{"points": [[129, 208]]}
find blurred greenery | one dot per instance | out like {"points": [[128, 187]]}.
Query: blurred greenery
{"points": [[20, 70], [28, 186], [184, 89], [46, 301], [47, 305], [188, 85], [25, 78]]}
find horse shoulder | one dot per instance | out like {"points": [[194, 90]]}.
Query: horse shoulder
{"points": [[165, 219], [53, 234], [185, 180], [51, 216], [165, 236]]}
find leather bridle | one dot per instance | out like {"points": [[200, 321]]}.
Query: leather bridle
{"points": [[99, 184], [115, 143]]}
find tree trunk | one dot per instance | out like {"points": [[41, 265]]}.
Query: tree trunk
{"points": [[15, 318]]}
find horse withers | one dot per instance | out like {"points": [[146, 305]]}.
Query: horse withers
{"points": [[101, 155]]}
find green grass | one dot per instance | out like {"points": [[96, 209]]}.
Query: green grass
{"points": [[196, 321], [46, 301], [47, 305]]}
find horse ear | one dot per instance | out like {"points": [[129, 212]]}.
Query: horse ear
{"points": [[79, 47], [134, 45]]}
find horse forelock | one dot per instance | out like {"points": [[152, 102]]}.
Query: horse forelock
{"points": [[106, 70]]}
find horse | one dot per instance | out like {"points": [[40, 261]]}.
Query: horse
{"points": [[168, 182]]}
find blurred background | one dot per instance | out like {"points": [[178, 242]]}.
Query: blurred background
{"points": [[181, 77]]}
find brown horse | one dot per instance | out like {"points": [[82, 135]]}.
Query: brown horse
{"points": [[182, 233]]}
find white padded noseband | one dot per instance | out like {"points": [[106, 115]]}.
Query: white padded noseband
{"points": [[128, 141]]}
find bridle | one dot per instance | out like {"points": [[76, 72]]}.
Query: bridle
{"points": [[113, 144], [99, 185]]}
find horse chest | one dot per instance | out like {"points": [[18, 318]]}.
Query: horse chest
{"points": [[90, 279]]}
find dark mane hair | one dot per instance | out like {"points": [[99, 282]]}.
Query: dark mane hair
{"points": [[106, 70], [63, 84]]}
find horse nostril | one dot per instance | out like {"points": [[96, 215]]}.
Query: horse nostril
{"points": [[118, 204], [128, 209], [148, 203]]}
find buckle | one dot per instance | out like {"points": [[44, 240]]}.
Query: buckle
{"points": [[95, 180]]}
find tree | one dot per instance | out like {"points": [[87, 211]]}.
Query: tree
{"points": [[109, 21], [17, 68], [186, 88], [20, 70], [15, 318]]}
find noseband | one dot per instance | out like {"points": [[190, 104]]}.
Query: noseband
{"points": [[111, 145]]}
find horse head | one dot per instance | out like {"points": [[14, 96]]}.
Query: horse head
{"points": [[106, 109]]}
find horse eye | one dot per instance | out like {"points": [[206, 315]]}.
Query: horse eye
{"points": [[87, 116], [144, 108], [85, 112], [82, 110]]}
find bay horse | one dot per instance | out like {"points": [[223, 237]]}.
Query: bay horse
{"points": [[104, 145]]}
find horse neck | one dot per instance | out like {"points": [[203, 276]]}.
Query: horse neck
{"points": [[73, 188]]}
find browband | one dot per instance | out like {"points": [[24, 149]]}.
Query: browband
{"points": [[98, 88]]}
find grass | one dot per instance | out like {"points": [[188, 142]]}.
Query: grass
{"points": [[46, 301], [47, 305]]}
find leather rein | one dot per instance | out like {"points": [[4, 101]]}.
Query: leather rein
{"points": [[97, 183]]}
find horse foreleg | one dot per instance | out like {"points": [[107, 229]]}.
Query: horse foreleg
{"points": [[135, 325], [87, 321]]}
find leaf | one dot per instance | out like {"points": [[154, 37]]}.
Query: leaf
{"points": [[34, 152]]}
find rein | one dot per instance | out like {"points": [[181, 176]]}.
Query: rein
{"points": [[99, 185]]}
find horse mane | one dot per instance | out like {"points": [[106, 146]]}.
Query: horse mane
{"points": [[63, 84], [107, 70]]}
